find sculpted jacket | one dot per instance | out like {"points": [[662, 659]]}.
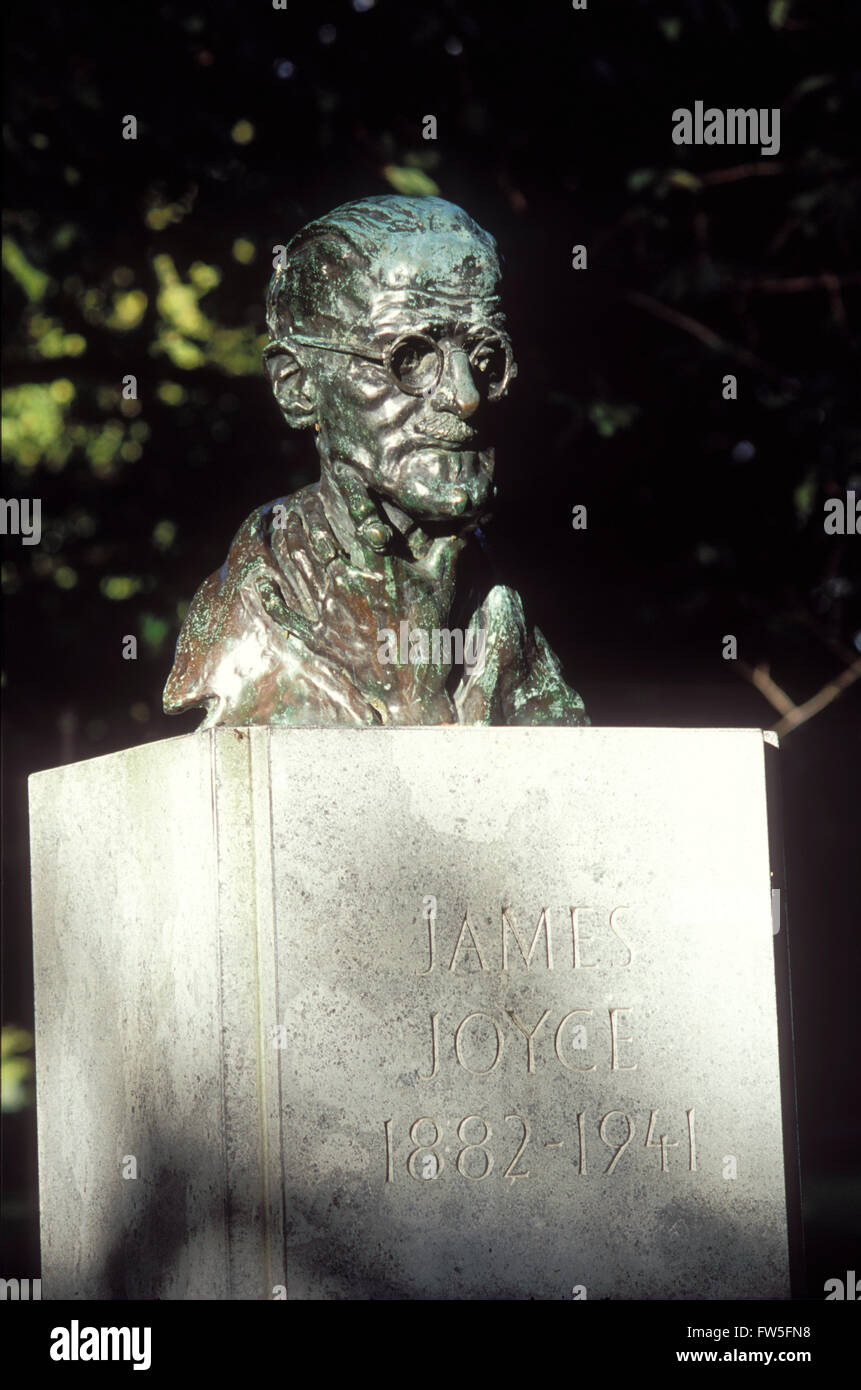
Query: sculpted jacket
{"points": [[288, 632]]}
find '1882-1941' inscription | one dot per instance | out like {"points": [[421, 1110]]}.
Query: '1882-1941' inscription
{"points": [[476, 1158]]}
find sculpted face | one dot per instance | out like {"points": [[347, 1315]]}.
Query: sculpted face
{"points": [[427, 453]]}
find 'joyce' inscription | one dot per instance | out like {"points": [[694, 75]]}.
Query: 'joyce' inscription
{"points": [[587, 938], [478, 1041]]}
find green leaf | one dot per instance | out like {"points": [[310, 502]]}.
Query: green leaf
{"points": [[608, 417], [804, 496], [639, 179], [33, 282], [17, 1068], [153, 630], [413, 183], [120, 587], [682, 178]]}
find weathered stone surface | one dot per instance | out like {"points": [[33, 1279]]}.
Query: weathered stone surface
{"points": [[262, 956]]}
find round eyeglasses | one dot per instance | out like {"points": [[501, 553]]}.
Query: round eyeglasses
{"points": [[416, 362]]}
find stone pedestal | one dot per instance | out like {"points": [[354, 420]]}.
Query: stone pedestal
{"points": [[412, 1013]]}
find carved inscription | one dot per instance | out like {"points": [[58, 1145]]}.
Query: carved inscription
{"points": [[585, 938], [476, 1158], [578, 1037], [477, 1042]]}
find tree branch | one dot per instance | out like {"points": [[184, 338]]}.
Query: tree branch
{"points": [[701, 332], [797, 284], [741, 171], [824, 697], [795, 715], [759, 677]]}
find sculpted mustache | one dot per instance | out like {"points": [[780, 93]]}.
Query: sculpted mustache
{"points": [[448, 434]]}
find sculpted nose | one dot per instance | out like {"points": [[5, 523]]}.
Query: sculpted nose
{"points": [[457, 391]]}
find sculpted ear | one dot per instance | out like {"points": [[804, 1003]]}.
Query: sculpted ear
{"points": [[294, 391]]}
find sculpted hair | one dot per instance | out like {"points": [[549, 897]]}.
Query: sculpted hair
{"points": [[329, 263]]}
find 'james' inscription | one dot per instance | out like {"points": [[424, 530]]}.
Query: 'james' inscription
{"points": [[587, 939]]}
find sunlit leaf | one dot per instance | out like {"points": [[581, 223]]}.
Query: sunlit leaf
{"points": [[778, 12], [243, 251], [164, 534], [119, 587], [128, 310], [413, 183], [682, 178], [17, 1069], [33, 282]]}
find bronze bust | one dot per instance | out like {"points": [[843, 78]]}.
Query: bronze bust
{"points": [[364, 598]]}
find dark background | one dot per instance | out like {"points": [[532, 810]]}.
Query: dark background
{"points": [[705, 516]]}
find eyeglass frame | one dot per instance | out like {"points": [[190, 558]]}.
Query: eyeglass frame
{"points": [[384, 359]]}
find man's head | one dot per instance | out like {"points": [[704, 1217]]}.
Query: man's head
{"points": [[388, 335]]}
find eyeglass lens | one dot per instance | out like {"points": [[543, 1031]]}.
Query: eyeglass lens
{"points": [[416, 362]]}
